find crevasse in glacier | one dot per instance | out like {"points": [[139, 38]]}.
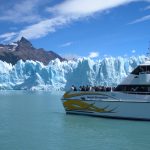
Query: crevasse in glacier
{"points": [[58, 75]]}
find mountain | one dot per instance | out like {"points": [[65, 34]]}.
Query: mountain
{"points": [[24, 50], [31, 75]]}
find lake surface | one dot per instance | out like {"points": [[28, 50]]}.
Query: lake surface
{"points": [[36, 121]]}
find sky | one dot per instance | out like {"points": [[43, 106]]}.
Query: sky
{"points": [[79, 28]]}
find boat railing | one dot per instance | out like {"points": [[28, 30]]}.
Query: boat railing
{"points": [[126, 92], [92, 89]]}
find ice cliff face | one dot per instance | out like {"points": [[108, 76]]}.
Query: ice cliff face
{"points": [[58, 75]]}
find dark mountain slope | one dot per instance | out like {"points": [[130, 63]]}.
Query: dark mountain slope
{"points": [[24, 50]]}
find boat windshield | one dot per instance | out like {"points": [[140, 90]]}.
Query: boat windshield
{"points": [[141, 69], [133, 88]]}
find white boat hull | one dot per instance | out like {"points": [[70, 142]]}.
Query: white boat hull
{"points": [[104, 105]]}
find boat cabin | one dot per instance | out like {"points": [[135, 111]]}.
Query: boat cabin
{"points": [[138, 81]]}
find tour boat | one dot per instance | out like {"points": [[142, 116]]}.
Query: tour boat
{"points": [[129, 100]]}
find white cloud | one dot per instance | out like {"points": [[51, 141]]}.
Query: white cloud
{"points": [[25, 11], [147, 8], [42, 28], [145, 18], [82, 8], [62, 14], [93, 55], [66, 44], [70, 56], [105, 55], [133, 51], [8, 36]]}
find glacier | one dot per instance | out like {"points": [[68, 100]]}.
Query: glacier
{"points": [[57, 75]]}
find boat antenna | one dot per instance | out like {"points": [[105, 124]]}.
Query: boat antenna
{"points": [[148, 53]]}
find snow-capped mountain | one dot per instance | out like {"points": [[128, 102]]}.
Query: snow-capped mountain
{"points": [[33, 75]]}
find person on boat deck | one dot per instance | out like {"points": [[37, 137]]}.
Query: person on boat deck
{"points": [[80, 88], [73, 88], [83, 88], [87, 88], [91, 88]]}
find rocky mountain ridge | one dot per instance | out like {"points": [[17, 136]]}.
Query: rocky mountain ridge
{"points": [[24, 50]]}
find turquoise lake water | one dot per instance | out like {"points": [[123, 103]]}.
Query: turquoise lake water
{"points": [[36, 121]]}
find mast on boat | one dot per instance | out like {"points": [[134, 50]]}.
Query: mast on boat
{"points": [[148, 53]]}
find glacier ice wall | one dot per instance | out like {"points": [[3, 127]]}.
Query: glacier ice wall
{"points": [[58, 75]]}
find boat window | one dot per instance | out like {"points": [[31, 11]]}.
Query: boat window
{"points": [[135, 71], [148, 69], [141, 69], [133, 88]]}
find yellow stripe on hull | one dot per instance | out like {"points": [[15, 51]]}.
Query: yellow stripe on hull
{"points": [[80, 105]]}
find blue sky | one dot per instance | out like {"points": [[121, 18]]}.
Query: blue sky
{"points": [[74, 28]]}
